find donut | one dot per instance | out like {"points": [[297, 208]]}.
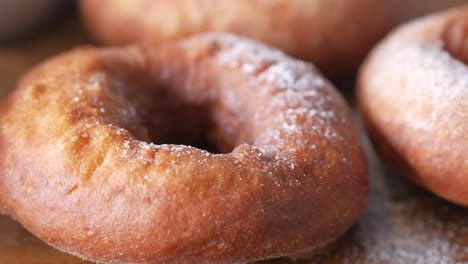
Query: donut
{"points": [[333, 34], [413, 93], [212, 149]]}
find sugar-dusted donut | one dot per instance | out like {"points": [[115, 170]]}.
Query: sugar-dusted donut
{"points": [[333, 34], [413, 91], [286, 174]]}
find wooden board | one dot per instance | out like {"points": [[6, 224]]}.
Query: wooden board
{"points": [[403, 223]]}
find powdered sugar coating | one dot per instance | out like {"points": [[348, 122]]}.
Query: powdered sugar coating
{"points": [[296, 97], [409, 229], [445, 85]]}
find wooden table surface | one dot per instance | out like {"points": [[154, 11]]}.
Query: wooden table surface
{"points": [[403, 224]]}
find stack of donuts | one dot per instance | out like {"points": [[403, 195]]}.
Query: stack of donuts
{"points": [[207, 133]]}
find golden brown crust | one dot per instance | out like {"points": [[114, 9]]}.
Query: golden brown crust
{"points": [[413, 91], [333, 34], [77, 171]]}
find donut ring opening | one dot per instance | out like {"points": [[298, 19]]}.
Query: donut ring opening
{"points": [[166, 117], [455, 38]]}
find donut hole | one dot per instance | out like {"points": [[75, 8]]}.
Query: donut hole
{"points": [[169, 119], [455, 38], [173, 121], [168, 115]]}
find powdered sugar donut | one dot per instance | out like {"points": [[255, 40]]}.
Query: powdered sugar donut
{"points": [[413, 91], [78, 170]]}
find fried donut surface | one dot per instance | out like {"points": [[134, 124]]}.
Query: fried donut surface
{"points": [[333, 34], [77, 169], [413, 91]]}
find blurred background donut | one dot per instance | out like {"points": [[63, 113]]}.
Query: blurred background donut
{"points": [[333, 34]]}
